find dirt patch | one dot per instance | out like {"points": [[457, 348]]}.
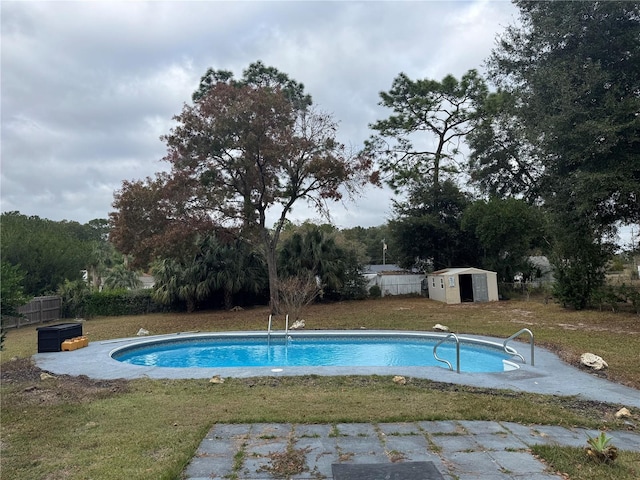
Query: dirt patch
{"points": [[519, 322], [596, 328], [32, 385], [524, 313], [285, 464], [19, 370]]}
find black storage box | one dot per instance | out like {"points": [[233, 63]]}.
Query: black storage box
{"points": [[50, 338]]}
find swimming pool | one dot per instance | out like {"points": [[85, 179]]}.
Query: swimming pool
{"points": [[317, 348]]}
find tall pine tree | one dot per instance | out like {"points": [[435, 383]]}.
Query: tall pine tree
{"points": [[572, 73]]}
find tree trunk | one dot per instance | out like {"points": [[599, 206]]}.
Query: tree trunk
{"points": [[228, 299], [436, 171], [272, 267], [94, 277], [191, 305], [270, 242]]}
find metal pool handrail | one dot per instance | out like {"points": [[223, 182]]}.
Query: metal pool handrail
{"points": [[512, 351], [286, 330], [435, 354]]}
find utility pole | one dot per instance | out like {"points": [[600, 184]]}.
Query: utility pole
{"points": [[636, 270], [384, 251]]}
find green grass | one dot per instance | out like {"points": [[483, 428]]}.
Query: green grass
{"points": [[574, 464], [76, 428]]}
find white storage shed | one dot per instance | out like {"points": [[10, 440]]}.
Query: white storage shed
{"points": [[468, 284]]}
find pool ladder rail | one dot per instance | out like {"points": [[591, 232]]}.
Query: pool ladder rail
{"points": [[444, 339], [510, 350], [286, 329]]}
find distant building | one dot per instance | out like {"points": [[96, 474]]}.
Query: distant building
{"points": [[393, 280], [146, 280], [542, 270]]}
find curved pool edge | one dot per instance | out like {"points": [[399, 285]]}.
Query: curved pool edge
{"points": [[508, 363], [550, 375]]}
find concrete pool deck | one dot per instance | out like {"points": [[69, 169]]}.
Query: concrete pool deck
{"points": [[549, 376]]}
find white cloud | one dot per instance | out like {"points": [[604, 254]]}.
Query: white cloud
{"points": [[89, 87]]}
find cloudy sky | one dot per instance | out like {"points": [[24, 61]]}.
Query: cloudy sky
{"points": [[89, 87]]}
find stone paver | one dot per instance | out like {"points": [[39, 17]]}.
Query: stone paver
{"points": [[458, 449]]}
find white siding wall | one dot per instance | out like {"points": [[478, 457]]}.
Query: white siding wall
{"points": [[396, 284]]}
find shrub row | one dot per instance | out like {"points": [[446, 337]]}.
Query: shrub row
{"points": [[121, 302], [617, 297], [109, 303]]}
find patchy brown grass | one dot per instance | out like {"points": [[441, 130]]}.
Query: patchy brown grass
{"points": [[74, 427], [613, 336]]}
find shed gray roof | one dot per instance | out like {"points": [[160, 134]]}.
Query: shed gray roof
{"points": [[460, 270], [386, 269]]}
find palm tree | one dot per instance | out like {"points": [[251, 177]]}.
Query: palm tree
{"points": [[313, 250], [74, 296], [165, 274], [176, 281], [101, 259], [120, 277], [229, 267], [233, 267]]}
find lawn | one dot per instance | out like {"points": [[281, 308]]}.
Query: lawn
{"points": [[65, 427]]}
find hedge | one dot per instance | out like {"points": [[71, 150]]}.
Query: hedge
{"points": [[111, 303]]}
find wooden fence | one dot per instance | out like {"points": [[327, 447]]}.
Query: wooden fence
{"points": [[38, 310]]}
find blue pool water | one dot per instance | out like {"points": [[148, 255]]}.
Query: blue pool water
{"points": [[299, 351]]}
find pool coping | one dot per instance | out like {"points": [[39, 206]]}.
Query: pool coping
{"points": [[293, 336], [550, 375]]}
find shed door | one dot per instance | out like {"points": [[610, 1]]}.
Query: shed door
{"points": [[480, 289]]}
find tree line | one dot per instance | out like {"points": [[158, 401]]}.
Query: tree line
{"points": [[540, 155], [42, 256]]}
